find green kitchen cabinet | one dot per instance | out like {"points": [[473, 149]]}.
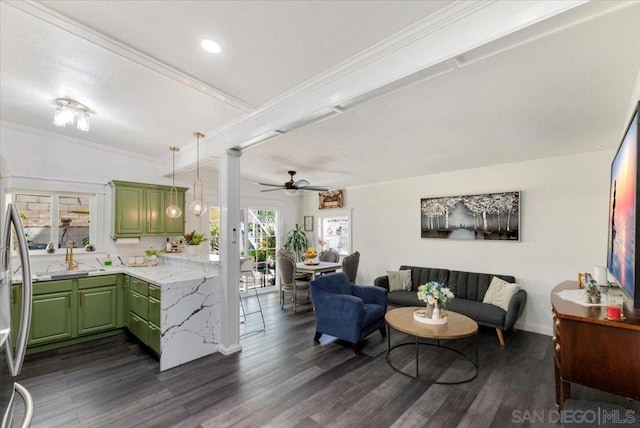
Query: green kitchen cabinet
{"points": [[97, 309], [130, 217], [153, 336], [139, 328], [139, 210], [139, 304], [51, 318], [155, 202], [144, 312], [124, 298]]}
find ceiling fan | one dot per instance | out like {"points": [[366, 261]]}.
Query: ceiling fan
{"points": [[292, 187]]}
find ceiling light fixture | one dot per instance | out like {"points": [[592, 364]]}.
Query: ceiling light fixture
{"points": [[197, 206], [173, 210], [210, 46], [68, 111]]}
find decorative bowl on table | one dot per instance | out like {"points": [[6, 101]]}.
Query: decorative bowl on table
{"points": [[421, 316], [310, 256]]}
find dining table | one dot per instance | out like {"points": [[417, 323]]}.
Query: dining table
{"points": [[318, 268]]}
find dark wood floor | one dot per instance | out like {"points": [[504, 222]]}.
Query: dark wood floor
{"points": [[282, 379]]}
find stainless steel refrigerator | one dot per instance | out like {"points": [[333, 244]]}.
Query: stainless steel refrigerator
{"points": [[11, 357]]}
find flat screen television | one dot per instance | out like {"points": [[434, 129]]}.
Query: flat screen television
{"points": [[623, 261]]}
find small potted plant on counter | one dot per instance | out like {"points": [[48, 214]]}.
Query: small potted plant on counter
{"points": [[152, 255]]}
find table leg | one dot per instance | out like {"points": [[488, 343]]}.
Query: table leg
{"points": [[388, 338], [417, 361]]}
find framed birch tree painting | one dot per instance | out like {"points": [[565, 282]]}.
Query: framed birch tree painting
{"points": [[492, 216]]}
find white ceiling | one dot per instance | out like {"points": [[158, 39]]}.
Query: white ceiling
{"points": [[556, 87]]}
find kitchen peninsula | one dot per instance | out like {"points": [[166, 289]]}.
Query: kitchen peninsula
{"points": [[173, 308]]}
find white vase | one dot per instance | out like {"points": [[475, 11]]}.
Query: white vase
{"points": [[193, 250], [436, 313]]}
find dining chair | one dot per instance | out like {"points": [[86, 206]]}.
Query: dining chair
{"points": [[329, 255], [350, 266], [288, 283], [290, 255]]}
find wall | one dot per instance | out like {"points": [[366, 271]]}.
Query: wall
{"points": [[43, 161], [563, 225]]}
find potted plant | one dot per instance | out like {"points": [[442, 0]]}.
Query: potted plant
{"points": [[296, 241], [152, 254], [193, 240]]}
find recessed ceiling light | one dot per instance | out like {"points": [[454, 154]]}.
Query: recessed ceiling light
{"points": [[210, 46]]}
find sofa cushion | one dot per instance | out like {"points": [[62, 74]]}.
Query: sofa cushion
{"points": [[500, 293], [472, 285], [404, 298], [399, 280], [422, 275], [482, 313]]}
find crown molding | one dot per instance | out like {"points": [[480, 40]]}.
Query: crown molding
{"points": [[79, 141]]}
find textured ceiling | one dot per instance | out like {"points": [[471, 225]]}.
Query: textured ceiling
{"points": [[558, 87]]}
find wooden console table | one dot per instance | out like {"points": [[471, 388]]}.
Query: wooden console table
{"points": [[593, 351]]}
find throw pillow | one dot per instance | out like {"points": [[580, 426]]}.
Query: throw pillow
{"points": [[399, 280], [500, 292]]}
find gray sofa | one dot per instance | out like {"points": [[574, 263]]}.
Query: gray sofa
{"points": [[468, 288]]}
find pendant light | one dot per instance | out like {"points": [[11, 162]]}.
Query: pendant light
{"points": [[173, 210], [197, 206]]}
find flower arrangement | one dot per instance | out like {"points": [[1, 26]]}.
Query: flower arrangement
{"points": [[434, 293], [311, 253], [194, 238]]}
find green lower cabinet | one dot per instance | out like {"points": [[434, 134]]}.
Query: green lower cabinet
{"points": [[154, 311], [138, 304], [154, 337], [97, 309], [139, 328], [143, 304], [125, 300], [51, 318]]}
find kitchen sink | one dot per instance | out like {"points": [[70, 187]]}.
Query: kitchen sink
{"points": [[67, 274]]}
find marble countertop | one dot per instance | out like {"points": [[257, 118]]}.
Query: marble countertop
{"points": [[169, 270]]}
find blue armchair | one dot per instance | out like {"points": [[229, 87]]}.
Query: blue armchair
{"points": [[346, 311]]}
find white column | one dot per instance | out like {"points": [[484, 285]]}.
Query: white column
{"points": [[229, 251]]}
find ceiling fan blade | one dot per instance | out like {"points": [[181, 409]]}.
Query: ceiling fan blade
{"points": [[316, 188], [300, 184], [272, 190], [272, 185]]}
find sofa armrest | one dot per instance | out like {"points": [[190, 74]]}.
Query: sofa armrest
{"points": [[516, 308], [382, 281], [371, 294]]}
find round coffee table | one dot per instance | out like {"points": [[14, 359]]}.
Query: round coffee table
{"points": [[458, 326]]}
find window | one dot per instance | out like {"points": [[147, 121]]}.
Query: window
{"points": [[335, 232], [56, 218], [214, 230], [258, 228]]}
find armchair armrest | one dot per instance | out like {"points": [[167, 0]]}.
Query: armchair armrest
{"points": [[371, 294], [382, 281], [516, 307]]}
